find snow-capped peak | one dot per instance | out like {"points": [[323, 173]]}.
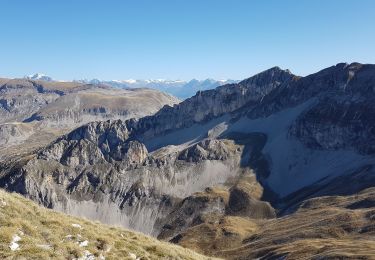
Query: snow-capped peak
{"points": [[129, 81], [39, 76]]}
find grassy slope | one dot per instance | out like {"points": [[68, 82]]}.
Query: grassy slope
{"points": [[331, 227], [48, 234]]}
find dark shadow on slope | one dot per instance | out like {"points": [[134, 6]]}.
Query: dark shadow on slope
{"points": [[253, 158], [349, 184]]}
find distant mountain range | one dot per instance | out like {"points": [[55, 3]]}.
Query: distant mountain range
{"points": [[178, 88]]}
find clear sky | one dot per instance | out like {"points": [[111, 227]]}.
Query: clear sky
{"points": [[176, 39]]}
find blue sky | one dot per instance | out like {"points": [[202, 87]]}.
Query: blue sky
{"points": [[176, 39]]}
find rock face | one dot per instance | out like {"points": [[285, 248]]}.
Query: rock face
{"points": [[206, 105], [205, 150], [338, 124], [89, 144], [247, 152]]}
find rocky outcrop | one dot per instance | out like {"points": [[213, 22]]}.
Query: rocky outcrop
{"points": [[98, 167], [89, 144], [205, 150], [195, 210], [246, 198]]}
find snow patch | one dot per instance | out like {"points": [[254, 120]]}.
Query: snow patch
{"points": [[77, 226], [84, 243], [13, 244]]}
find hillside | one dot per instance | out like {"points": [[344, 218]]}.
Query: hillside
{"points": [[30, 231], [327, 227]]}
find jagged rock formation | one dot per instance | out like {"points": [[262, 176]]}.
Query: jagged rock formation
{"points": [[92, 164], [248, 153]]}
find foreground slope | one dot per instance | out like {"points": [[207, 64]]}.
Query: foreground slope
{"points": [[28, 230]]}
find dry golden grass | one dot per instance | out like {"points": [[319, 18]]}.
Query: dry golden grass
{"points": [[47, 234], [217, 234], [63, 86], [328, 249]]}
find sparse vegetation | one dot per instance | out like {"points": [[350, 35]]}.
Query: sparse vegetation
{"points": [[218, 234]]}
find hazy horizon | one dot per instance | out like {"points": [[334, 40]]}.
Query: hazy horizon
{"points": [[128, 80]]}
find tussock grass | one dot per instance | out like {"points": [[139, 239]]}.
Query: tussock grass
{"points": [[330, 227], [218, 234], [47, 234]]}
